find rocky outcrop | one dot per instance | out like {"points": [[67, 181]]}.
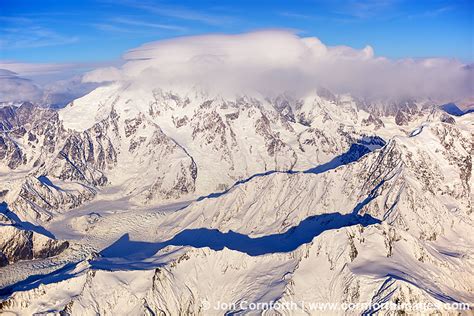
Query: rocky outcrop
{"points": [[402, 111], [373, 120], [29, 134], [40, 198], [85, 156], [10, 152], [24, 114], [18, 243], [376, 227], [163, 146]]}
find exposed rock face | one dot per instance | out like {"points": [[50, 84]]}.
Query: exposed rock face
{"points": [[285, 105], [28, 135], [326, 143], [24, 115], [69, 166], [402, 111], [306, 204], [150, 147], [447, 119], [18, 243], [7, 118], [39, 198], [373, 120], [423, 182], [158, 149], [10, 152], [85, 156]]}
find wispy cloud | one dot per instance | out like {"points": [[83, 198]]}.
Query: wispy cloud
{"points": [[107, 27], [313, 17], [346, 11], [31, 70], [179, 12], [21, 32], [432, 13], [135, 27], [14, 19], [135, 22], [295, 15], [364, 9]]}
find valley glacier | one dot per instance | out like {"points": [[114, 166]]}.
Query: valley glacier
{"points": [[134, 201]]}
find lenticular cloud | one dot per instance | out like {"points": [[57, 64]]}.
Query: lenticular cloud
{"points": [[277, 61]]}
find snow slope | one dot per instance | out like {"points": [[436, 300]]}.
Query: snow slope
{"points": [[179, 202]]}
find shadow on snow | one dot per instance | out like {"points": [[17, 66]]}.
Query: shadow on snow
{"points": [[23, 224], [33, 281], [355, 152], [127, 251], [288, 241]]}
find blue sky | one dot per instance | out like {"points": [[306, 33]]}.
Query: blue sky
{"points": [[90, 31]]}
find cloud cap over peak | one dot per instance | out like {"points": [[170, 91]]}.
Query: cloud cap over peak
{"points": [[275, 61]]}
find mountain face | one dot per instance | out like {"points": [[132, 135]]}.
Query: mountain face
{"points": [[135, 201], [22, 242]]}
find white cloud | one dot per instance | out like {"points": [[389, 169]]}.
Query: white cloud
{"points": [[49, 83], [103, 74], [42, 83], [12, 86], [275, 61], [30, 69]]}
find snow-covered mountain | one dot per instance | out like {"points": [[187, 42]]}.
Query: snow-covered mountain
{"points": [[155, 201]]}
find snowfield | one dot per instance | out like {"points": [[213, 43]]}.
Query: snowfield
{"points": [[185, 203]]}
